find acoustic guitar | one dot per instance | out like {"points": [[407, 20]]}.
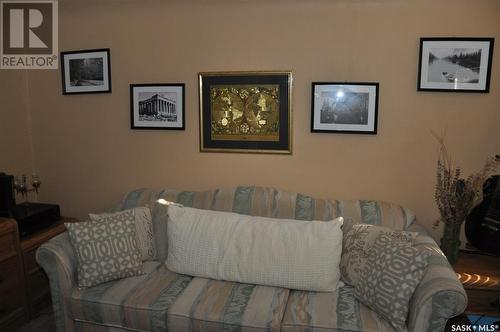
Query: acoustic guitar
{"points": [[482, 226]]}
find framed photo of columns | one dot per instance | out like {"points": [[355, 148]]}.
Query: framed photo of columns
{"points": [[157, 106]]}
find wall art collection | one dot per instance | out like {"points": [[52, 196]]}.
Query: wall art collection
{"points": [[252, 111]]}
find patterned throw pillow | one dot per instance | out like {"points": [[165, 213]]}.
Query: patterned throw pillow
{"points": [[105, 250], [388, 280], [358, 238], [143, 226]]}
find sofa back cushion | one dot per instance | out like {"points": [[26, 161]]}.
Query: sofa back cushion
{"points": [[229, 246], [266, 202]]}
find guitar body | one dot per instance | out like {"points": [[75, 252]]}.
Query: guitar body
{"points": [[482, 226]]}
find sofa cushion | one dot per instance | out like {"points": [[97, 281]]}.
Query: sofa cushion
{"points": [[105, 250], [143, 226], [216, 305], [265, 251], [139, 303], [335, 311], [274, 203], [357, 240], [265, 202], [388, 281]]}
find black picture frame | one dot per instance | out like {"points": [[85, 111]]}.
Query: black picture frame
{"points": [[344, 107], [246, 112], [91, 76], [158, 106], [444, 66]]}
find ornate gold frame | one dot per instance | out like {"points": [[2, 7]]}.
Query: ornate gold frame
{"points": [[289, 75]]}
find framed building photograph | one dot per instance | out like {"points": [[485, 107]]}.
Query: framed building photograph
{"points": [[157, 106], [455, 64], [344, 107], [86, 71], [246, 112]]}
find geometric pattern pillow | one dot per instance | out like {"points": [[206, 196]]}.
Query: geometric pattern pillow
{"points": [[388, 280], [105, 250], [357, 240], [143, 227]]}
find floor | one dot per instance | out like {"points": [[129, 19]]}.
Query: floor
{"points": [[44, 322]]}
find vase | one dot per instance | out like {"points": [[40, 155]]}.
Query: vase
{"points": [[450, 242]]}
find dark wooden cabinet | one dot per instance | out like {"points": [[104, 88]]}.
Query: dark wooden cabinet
{"points": [[37, 284], [13, 305], [480, 275], [24, 287]]}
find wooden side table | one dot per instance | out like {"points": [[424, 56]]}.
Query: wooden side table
{"points": [[480, 276]]}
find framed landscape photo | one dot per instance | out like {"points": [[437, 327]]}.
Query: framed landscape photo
{"points": [[246, 112], [344, 107], [157, 106], [86, 71], [455, 64]]}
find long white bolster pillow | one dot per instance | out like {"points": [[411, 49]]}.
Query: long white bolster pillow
{"points": [[285, 253]]}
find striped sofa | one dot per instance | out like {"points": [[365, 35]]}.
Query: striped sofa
{"points": [[162, 300]]}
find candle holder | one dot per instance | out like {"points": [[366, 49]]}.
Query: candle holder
{"points": [[21, 185]]}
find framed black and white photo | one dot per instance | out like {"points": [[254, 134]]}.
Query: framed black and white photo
{"points": [[157, 106], [86, 71], [455, 64], [344, 107]]}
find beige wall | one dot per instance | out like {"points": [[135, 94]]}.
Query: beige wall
{"points": [[88, 157], [16, 155]]}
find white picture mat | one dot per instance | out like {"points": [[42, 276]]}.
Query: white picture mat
{"points": [[158, 89], [370, 89], [105, 67], [424, 70]]}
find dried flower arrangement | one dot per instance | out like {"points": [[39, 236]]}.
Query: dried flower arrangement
{"points": [[456, 196]]}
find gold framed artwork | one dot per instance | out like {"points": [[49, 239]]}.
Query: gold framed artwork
{"points": [[247, 112]]}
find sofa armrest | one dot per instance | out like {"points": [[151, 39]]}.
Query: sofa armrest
{"points": [[439, 296], [58, 259]]}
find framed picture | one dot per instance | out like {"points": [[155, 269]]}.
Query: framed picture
{"points": [[344, 107], [157, 106], [455, 64], [246, 112], [86, 71]]}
